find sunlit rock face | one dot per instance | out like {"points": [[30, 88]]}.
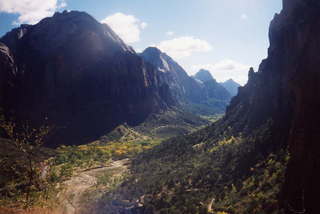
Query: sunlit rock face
{"points": [[80, 77], [188, 91], [183, 87]]}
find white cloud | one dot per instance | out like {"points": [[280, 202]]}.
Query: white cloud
{"points": [[183, 46], [62, 4], [170, 33], [143, 25], [127, 27], [31, 11], [225, 70], [244, 16]]}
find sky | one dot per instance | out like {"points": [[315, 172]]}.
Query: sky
{"points": [[225, 37]]}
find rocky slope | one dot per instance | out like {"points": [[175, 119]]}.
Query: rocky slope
{"points": [[200, 97], [77, 75], [231, 86]]}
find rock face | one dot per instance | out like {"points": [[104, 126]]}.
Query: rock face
{"points": [[286, 91], [231, 86], [214, 95], [81, 77], [7, 72], [211, 89], [183, 87], [296, 37], [198, 96]]}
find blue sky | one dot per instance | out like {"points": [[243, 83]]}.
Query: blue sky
{"points": [[226, 37]]}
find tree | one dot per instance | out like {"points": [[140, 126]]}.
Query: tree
{"points": [[27, 143]]}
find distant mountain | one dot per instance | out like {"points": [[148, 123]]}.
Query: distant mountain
{"points": [[231, 86], [200, 97], [203, 75], [183, 87], [76, 74], [211, 89]]}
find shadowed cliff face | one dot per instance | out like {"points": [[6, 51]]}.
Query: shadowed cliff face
{"points": [[81, 76], [286, 90], [298, 35], [7, 72]]}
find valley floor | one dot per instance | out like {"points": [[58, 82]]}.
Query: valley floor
{"points": [[74, 199]]}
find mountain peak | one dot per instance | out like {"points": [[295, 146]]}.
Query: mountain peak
{"points": [[67, 27], [152, 51], [231, 85], [71, 13], [73, 16], [157, 58], [156, 53], [204, 75]]}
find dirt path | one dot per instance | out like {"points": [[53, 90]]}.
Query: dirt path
{"points": [[71, 197]]}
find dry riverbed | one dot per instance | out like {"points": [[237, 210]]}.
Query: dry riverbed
{"points": [[81, 190]]}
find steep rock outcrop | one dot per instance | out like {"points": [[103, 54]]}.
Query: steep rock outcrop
{"points": [[81, 77], [296, 36], [286, 91]]}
